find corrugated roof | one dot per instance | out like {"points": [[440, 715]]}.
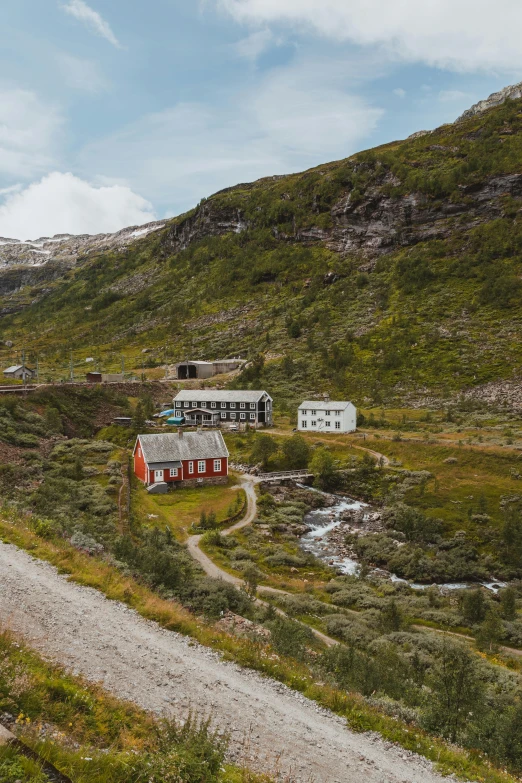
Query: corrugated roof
{"points": [[206, 395], [184, 364], [322, 405], [169, 447]]}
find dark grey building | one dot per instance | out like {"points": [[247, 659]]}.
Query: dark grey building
{"points": [[213, 407]]}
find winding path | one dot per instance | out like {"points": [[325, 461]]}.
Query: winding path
{"points": [[273, 729]]}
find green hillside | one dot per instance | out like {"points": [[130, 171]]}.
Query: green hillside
{"points": [[392, 276]]}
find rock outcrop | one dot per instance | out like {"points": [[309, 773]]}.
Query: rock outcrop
{"points": [[512, 92]]}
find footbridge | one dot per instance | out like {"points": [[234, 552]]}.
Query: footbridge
{"points": [[286, 475]]}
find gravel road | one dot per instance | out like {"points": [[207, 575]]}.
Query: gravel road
{"points": [[272, 727]]}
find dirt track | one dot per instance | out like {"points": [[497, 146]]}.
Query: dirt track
{"points": [[167, 673]]}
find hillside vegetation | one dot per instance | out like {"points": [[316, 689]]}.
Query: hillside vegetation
{"points": [[393, 275]]}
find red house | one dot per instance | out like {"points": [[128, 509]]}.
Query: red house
{"points": [[181, 459]]}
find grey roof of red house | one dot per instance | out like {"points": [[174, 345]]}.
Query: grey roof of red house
{"points": [[211, 395], [193, 445]]}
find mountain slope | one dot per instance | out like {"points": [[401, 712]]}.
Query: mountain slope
{"points": [[392, 276]]}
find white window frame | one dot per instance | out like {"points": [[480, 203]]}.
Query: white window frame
{"points": [[242, 405], [173, 472], [337, 413], [191, 468], [217, 466], [186, 404], [304, 424], [232, 406], [223, 414], [252, 406], [328, 413], [314, 413], [202, 466], [328, 423], [233, 416], [213, 404], [337, 425], [314, 424], [252, 417], [304, 413], [178, 404], [223, 405], [204, 405], [242, 416]]}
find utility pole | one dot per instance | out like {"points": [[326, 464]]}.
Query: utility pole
{"points": [[71, 366], [23, 370], [123, 365]]}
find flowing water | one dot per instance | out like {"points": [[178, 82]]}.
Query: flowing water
{"points": [[322, 521]]}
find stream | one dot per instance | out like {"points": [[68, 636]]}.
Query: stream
{"points": [[323, 521]]}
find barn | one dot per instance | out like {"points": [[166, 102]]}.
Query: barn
{"points": [[19, 372], [181, 459]]}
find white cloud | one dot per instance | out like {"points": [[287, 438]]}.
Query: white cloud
{"points": [[29, 132], [62, 203], [81, 74], [462, 35], [92, 19], [399, 92], [254, 45], [297, 117]]}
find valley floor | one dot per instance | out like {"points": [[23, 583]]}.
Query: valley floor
{"points": [[273, 729]]}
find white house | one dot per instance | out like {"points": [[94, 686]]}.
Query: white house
{"points": [[327, 416]]}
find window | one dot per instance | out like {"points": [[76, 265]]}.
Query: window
{"points": [[328, 423], [217, 466], [314, 413], [202, 465], [233, 405], [314, 424], [242, 416], [328, 413], [139, 452], [186, 404], [223, 405], [173, 472], [252, 417], [233, 416], [242, 405], [178, 405], [191, 467], [204, 405], [337, 413], [213, 404], [303, 413], [252, 406], [337, 425], [223, 414]]}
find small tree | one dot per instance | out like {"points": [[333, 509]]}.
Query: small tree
{"points": [[251, 577], [508, 603], [323, 468], [474, 606], [264, 448], [456, 690], [490, 632], [392, 618], [297, 452], [77, 471], [138, 420], [203, 520], [148, 406]]}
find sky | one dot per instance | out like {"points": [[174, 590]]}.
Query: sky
{"points": [[117, 112]]}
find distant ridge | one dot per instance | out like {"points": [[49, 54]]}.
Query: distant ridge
{"points": [[512, 92]]}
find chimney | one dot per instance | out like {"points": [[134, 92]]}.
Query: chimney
{"points": [[180, 433], [327, 397]]}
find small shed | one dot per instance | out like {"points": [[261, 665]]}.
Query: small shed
{"points": [[94, 377], [19, 372]]}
